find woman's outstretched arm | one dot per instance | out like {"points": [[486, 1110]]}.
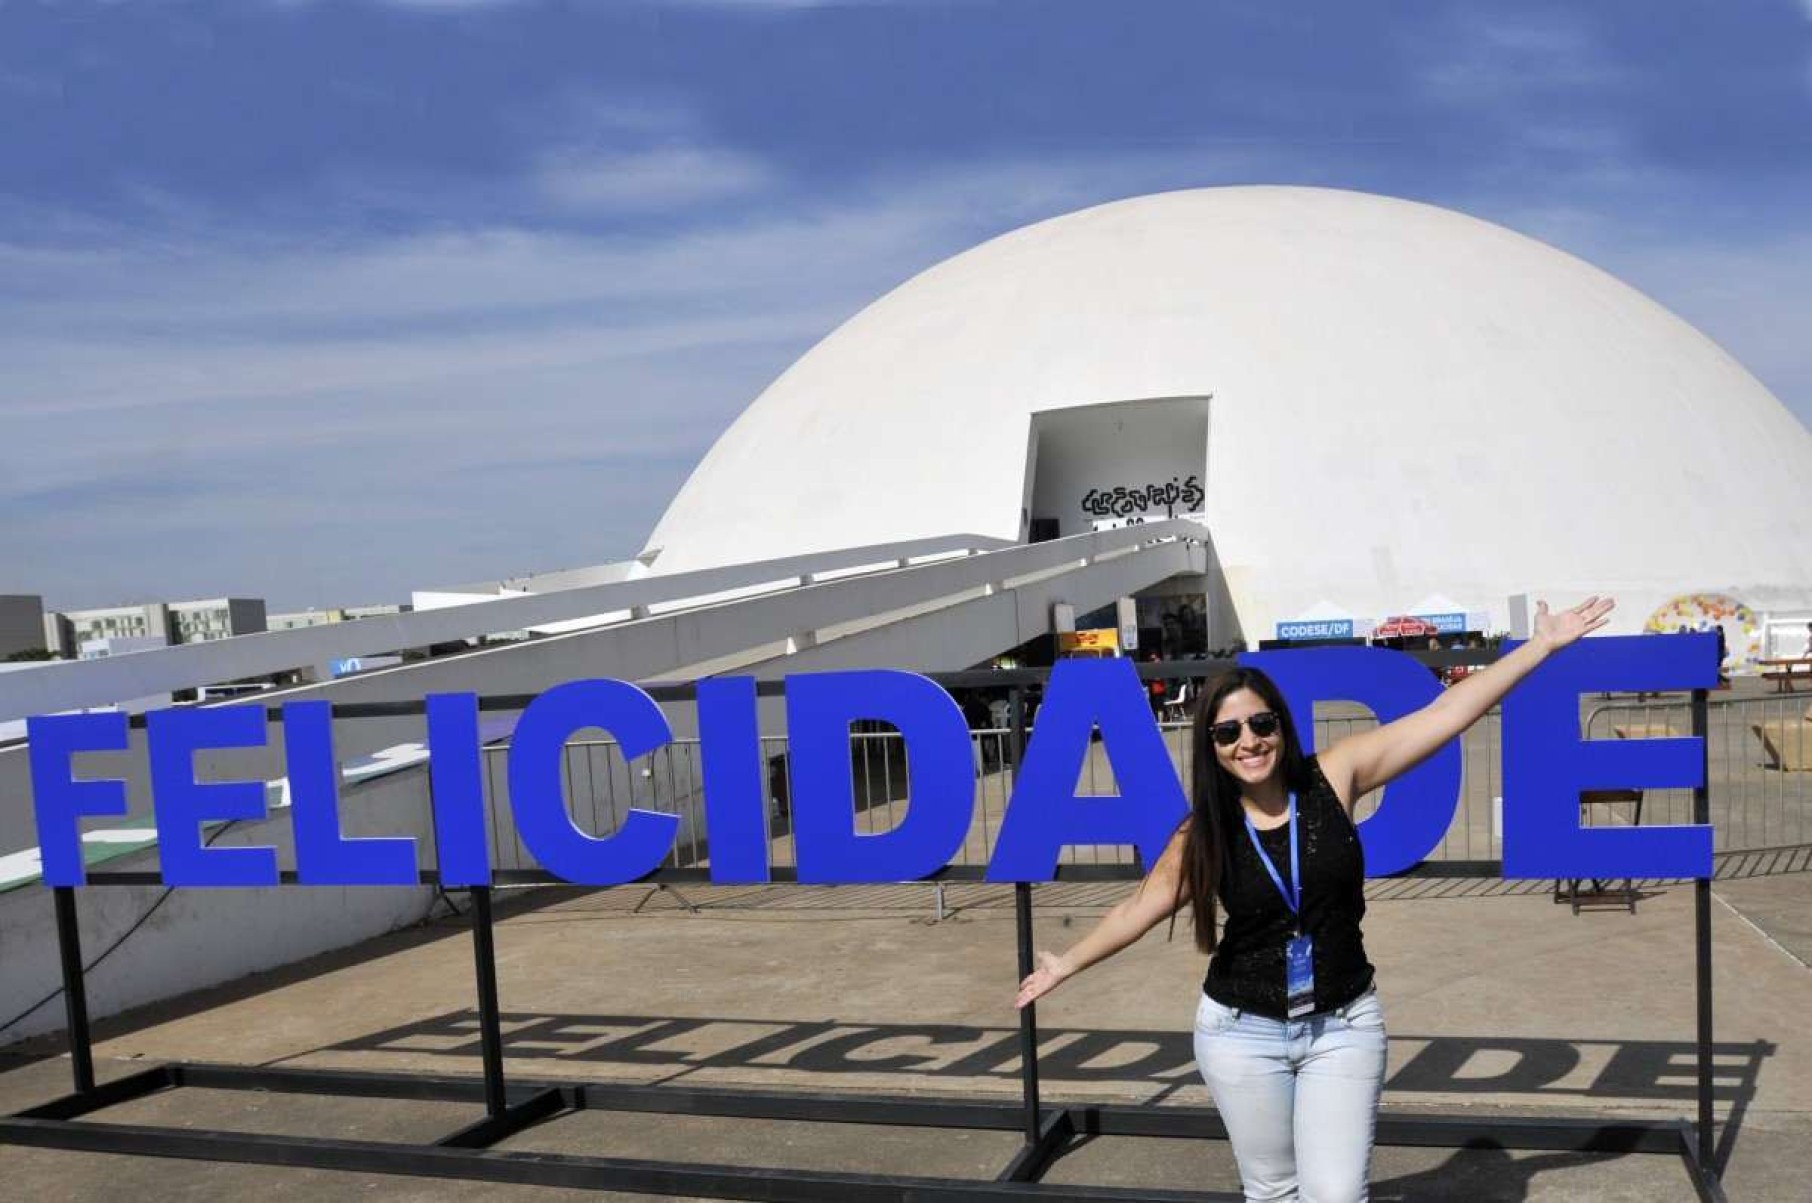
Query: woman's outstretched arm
{"points": [[1156, 899], [1361, 763]]}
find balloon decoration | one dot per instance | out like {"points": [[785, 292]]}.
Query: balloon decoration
{"points": [[1703, 611]]}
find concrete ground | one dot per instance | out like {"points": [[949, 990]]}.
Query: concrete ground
{"points": [[1499, 1001]]}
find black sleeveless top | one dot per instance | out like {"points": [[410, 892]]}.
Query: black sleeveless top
{"points": [[1247, 970]]}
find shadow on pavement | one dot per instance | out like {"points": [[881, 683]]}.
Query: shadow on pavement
{"points": [[1482, 1172]]}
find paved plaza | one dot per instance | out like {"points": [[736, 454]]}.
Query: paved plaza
{"points": [[1498, 1001]]}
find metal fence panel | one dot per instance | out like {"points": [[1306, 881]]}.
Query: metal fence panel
{"points": [[1759, 800]]}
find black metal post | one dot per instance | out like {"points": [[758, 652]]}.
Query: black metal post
{"points": [[1701, 813], [1022, 911], [75, 994], [490, 1023], [1028, 1014]]}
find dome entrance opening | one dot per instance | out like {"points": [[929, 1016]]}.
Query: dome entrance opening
{"points": [[1123, 463], [1096, 467]]}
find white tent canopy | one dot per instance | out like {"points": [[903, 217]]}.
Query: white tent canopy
{"points": [[1438, 603], [1323, 611], [1324, 620]]}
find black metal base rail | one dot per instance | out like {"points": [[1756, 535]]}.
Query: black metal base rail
{"points": [[467, 1154], [780, 875], [511, 1107]]}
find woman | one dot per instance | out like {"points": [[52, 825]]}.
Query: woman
{"points": [[1289, 1032]]}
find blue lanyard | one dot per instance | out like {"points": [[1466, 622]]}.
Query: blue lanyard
{"points": [[1293, 896]]}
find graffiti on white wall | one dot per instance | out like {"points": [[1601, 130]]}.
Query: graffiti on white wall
{"points": [[1184, 494]]}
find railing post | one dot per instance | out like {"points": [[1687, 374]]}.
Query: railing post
{"points": [[490, 1023], [1701, 813], [1022, 912], [75, 993]]}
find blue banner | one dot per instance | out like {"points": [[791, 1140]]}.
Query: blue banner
{"points": [[1332, 628]]}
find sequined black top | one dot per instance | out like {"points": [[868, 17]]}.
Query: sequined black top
{"points": [[1247, 971]]}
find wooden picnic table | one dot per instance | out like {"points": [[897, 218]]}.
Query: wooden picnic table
{"points": [[1785, 672]]}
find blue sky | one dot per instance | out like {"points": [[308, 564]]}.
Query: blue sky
{"points": [[323, 301]]}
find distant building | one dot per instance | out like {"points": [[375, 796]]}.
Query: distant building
{"points": [[303, 618], [171, 622], [219, 618], [21, 623], [316, 618], [77, 627], [58, 638], [375, 611]]}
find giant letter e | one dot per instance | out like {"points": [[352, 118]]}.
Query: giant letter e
{"points": [[1547, 763]]}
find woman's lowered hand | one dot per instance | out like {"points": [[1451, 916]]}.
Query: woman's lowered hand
{"points": [[1050, 973]]}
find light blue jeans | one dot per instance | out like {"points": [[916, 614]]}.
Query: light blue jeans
{"points": [[1299, 1097]]}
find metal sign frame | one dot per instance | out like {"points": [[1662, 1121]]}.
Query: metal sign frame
{"points": [[514, 1104]]}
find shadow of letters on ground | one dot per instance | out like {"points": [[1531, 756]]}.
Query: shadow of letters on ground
{"points": [[1624, 1069]]}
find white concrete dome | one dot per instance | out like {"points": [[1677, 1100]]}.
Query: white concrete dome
{"points": [[1399, 400]]}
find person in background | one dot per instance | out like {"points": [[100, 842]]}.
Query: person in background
{"points": [[1156, 691]]}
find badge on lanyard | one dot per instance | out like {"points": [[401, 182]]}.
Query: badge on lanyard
{"points": [[1299, 953]]}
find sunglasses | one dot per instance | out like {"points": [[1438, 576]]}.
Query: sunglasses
{"points": [[1264, 724]]}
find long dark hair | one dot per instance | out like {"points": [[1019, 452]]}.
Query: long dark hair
{"points": [[1214, 815]]}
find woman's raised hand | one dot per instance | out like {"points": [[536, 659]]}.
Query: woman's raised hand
{"points": [[1558, 630], [1051, 971]]}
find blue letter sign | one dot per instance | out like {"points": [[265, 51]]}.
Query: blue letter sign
{"points": [[184, 804], [940, 782], [324, 857], [58, 799], [730, 745], [538, 798], [1418, 806], [1547, 765], [1045, 815], [456, 785], [1553, 764]]}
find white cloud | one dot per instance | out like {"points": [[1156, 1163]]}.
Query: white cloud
{"points": [[211, 293], [168, 393], [434, 5], [663, 178], [728, 5]]}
